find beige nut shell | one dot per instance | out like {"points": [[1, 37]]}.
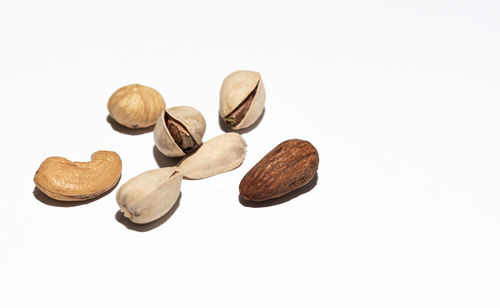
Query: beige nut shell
{"points": [[136, 106], [65, 180], [149, 195], [217, 155], [235, 88], [190, 118]]}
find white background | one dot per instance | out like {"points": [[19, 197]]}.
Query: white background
{"points": [[401, 99]]}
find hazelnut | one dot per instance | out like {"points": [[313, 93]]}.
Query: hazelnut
{"points": [[136, 106]]}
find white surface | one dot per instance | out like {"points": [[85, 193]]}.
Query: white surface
{"points": [[401, 99]]}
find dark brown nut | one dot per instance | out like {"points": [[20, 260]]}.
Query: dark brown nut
{"points": [[290, 165]]}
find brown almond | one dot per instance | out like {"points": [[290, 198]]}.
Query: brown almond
{"points": [[290, 165]]}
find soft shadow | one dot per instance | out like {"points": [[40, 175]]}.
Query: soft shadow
{"points": [[125, 130], [149, 226], [40, 196], [164, 161], [291, 195], [227, 129]]}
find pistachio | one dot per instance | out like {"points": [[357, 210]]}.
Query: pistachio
{"points": [[242, 98], [179, 131], [215, 156], [136, 106], [149, 195]]}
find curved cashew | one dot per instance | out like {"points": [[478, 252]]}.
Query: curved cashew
{"points": [[64, 180]]}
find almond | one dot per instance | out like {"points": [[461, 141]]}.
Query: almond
{"points": [[290, 165]]}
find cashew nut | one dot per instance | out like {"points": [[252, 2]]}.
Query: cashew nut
{"points": [[65, 180]]}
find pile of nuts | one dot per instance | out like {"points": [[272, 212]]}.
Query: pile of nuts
{"points": [[178, 132]]}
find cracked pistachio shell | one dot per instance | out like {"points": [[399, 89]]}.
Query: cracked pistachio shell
{"points": [[215, 156], [149, 195], [236, 88], [136, 106], [190, 118]]}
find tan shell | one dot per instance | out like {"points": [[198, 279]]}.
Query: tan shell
{"points": [[136, 106], [149, 195], [235, 89], [215, 156], [64, 180], [192, 120]]}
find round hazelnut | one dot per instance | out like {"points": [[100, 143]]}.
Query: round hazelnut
{"points": [[136, 106]]}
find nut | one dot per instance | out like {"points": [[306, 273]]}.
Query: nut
{"points": [[149, 195], [179, 130], [242, 98], [290, 165], [136, 106], [217, 155], [64, 180]]}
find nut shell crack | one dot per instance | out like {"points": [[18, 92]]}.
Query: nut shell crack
{"points": [[180, 134], [238, 114]]}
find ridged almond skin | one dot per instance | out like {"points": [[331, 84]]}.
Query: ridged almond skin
{"points": [[136, 106], [290, 165], [65, 180]]}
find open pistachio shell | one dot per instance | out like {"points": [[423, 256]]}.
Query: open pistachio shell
{"points": [[242, 98], [179, 130]]}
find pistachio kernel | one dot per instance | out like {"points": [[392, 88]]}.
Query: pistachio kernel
{"points": [[236, 116], [180, 134]]}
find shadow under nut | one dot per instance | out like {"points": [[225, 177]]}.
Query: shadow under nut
{"points": [[65, 180]]}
